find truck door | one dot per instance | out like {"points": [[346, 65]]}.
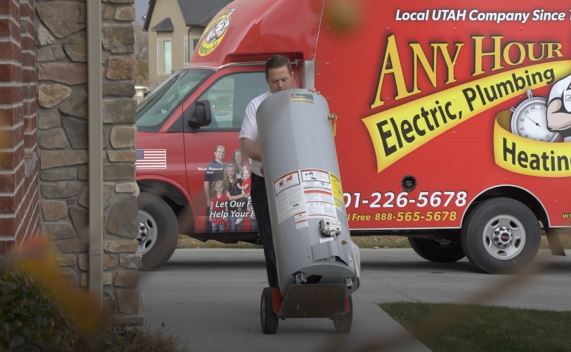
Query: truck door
{"points": [[217, 174]]}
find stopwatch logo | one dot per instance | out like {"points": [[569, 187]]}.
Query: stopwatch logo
{"points": [[529, 120], [214, 33], [543, 119]]}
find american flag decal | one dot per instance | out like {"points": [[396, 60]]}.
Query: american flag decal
{"points": [[151, 159]]}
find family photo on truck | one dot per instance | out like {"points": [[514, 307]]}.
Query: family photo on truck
{"points": [[227, 187]]}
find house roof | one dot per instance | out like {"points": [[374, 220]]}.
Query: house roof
{"points": [[200, 12], [164, 26], [195, 12]]}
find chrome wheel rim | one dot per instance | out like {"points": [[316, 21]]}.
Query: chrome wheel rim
{"points": [[147, 235], [504, 237]]}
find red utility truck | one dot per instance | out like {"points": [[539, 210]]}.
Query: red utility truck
{"points": [[453, 124]]}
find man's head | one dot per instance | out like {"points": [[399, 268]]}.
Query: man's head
{"points": [[278, 73], [219, 152]]}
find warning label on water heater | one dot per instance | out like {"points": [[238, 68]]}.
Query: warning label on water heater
{"points": [[318, 193], [305, 194], [289, 197]]}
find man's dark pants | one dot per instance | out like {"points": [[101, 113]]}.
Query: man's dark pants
{"points": [[260, 204]]}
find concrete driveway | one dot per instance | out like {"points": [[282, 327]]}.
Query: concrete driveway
{"points": [[210, 299]]}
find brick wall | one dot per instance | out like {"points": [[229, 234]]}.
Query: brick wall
{"points": [[18, 124]]}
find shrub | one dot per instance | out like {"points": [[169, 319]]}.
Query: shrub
{"points": [[29, 321]]}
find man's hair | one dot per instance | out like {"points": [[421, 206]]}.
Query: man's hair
{"points": [[277, 61]]}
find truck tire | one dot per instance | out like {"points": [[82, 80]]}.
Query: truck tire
{"points": [[500, 235], [437, 250], [158, 231]]}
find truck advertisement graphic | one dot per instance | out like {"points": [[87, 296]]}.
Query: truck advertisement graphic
{"points": [[525, 140], [424, 119], [227, 193], [453, 120], [462, 92]]}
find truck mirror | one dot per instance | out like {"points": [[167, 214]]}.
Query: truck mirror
{"points": [[199, 114]]}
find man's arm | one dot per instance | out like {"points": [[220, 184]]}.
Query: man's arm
{"points": [[556, 120], [249, 134], [251, 149]]}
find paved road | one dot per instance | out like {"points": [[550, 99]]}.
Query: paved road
{"points": [[210, 299]]}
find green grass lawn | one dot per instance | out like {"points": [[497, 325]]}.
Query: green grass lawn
{"points": [[466, 328]]}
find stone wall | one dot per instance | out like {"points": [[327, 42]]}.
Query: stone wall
{"points": [[18, 124], [63, 142]]}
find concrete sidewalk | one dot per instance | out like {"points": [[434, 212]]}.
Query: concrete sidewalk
{"points": [[210, 299]]}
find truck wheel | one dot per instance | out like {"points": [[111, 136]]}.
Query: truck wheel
{"points": [[343, 323], [268, 318], [500, 235], [158, 231], [437, 250]]}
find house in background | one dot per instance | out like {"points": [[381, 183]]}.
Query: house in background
{"points": [[174, 28]]}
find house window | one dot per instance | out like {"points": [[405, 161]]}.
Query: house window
{"points": [[165, 56], [187, 51]]}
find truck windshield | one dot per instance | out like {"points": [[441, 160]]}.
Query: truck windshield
{"points": [[152, 112], [156, 93]]}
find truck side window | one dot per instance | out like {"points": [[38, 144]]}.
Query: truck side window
{"points": [[229, 96], [161, 103]]}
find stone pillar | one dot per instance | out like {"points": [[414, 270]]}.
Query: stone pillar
{"points": [[63, 141], [18, 124]]}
